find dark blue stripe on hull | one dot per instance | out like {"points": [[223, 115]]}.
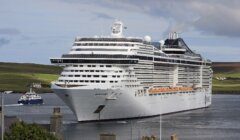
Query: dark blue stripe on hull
{"points": [[39, 101]]}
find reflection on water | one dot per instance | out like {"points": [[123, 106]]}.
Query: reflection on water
{"points": [[219, 122]]}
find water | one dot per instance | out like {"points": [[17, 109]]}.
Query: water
{"points": [[219, 122]]}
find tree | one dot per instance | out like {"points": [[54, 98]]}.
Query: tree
{"points": [[23, 131]]}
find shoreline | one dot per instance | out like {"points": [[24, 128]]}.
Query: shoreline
{"points": [[227, 92]]}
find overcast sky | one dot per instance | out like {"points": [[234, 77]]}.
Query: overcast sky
{"points": [[32, 31]]}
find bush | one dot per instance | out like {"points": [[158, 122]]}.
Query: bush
{"points": [[23, 131]]}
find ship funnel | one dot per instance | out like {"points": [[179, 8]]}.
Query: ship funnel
{"points": [[117, 29]]}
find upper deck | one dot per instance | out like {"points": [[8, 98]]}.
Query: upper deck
{"points": [[119, 49]]}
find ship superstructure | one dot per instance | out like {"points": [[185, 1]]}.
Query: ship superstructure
{"points": [[123, 77]]}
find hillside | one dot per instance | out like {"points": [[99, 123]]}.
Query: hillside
{"points": [[18, 76], [226, 77]]}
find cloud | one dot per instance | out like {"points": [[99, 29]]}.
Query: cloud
{"points": [[4, 41], [103, 15], [219, 19], [9, 31], [216, 17], [222, 54]]}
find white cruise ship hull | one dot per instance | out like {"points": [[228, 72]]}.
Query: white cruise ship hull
{"points": [[123, 103]]}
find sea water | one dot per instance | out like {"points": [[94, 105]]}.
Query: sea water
{"points": [[221, 121]]}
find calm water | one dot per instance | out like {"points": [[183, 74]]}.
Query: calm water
{"points": [[219, 122]]}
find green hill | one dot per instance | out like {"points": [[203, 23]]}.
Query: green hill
{"points": [[18, 76], [226, 78]]}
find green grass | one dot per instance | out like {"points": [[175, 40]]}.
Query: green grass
{"points": [[230, 85], [231, 71], [29, 68], [18, 77], [46, 77], [19, 82]]}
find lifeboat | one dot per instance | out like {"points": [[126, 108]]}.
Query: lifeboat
{"points": [[167, 89]]}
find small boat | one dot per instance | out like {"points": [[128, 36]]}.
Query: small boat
{"points": [[30, 98]]}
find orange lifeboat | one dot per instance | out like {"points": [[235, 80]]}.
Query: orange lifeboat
{"points": [[167, 89]]}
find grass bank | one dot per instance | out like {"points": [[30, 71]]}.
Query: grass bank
{"points": [[226, 78], [17, 77]]}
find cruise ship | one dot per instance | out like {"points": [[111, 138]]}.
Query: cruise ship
{"points": [[117, 77]]}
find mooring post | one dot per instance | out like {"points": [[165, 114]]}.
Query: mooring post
{"points": [[1, 115], [153, 137], [107, 137], [174, 137], [56, 123], [149, 138]]}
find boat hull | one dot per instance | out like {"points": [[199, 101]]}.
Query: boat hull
{"points": [[95, 104], [38, 101]]}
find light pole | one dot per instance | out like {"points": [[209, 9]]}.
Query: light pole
{"points": [[160, 120], [2, 115]]}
